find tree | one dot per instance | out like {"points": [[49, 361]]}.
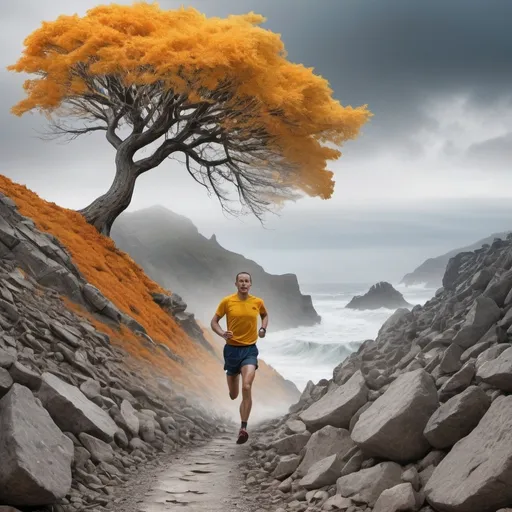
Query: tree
{"points": [[218, 92]]}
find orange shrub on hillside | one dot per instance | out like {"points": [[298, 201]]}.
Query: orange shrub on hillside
{"points": [[112, 271]]}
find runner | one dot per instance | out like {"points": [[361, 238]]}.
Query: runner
{"points": [[240, 352]]}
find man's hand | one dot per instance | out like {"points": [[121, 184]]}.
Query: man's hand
{"points": [[262, 332], [227, 335]]}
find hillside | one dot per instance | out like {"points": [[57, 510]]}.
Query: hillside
{"points": [[418, 419], [173, 253], [431, 271], [99, 371]]}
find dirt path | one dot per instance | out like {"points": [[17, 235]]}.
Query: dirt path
{"points": [[201, 479]]}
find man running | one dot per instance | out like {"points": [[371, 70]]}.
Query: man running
{"points": [[240, 352]]}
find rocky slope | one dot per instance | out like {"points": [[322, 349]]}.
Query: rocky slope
{"points": [[418, 419], [380, 295], [431, 271], [173, 252], [101, 370]]}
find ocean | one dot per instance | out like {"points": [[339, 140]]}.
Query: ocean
{"points": [[311, 353]]}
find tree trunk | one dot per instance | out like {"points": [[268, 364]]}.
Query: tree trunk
{"points": [[102, 212]]}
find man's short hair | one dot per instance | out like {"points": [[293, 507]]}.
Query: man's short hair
{"points": [[240, 273]]}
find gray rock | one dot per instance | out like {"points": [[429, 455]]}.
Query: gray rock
{"points": [[91, 388], [476, 475], [291, 444], [6, 359], [72, 411], [295, 427], [5, 382], [451, 361], [392, 428], [474, 351], [491, 353], [337, 502], [411, 475], [94, 297], [129, 417], [25, 376], [400, 497], [498, 372], [499, 287], [367, 485], [323, 443], [323, 472], [479, 319], [353, 463], [337, 407], [481, 279], [458, 382], [99, 450], [457, 417], [286, 466], [35, 455]]}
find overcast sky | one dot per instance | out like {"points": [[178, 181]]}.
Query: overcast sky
{"points": [[430, 172]]}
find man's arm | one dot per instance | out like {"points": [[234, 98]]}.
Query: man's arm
{"points": [[216, 328], [264, 320]]}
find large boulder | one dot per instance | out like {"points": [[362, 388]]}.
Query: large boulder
{"points": [[72, 411], [457, 417], [392, 427], [323, 443], [380, 295], [482, 315], [337, 406], [35, 456], [498, 372], [476, 475]]}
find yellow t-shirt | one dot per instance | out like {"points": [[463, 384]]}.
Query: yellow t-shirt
{"points": [[242, 317]]}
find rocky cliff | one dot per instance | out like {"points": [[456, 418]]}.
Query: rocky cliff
{"points": [[418, 419], [380, 295], [101, 369], [431, 271], [173, 252]]}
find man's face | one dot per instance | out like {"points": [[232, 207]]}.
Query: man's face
{"points": [[243, 283]]}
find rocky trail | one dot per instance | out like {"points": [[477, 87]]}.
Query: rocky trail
{"points": [[205, 478]]}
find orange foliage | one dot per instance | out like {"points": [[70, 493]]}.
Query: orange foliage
{"points": [[118, 277], [184, 51]]}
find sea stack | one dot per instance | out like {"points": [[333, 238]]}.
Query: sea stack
{"points": [[380, 295]]}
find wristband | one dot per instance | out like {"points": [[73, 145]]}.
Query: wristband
{"points": [[263, 329]]}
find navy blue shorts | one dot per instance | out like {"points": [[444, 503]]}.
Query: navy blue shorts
{"points": [[236, 357]]}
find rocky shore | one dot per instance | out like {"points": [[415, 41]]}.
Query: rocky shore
{"points": [[419, 419], [78, 415]]}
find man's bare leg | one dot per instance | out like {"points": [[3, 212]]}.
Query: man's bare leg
{"points": [[233, 386], [248, 374]]}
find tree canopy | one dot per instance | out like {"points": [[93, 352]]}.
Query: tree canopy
{"points": [[219, 91]]}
